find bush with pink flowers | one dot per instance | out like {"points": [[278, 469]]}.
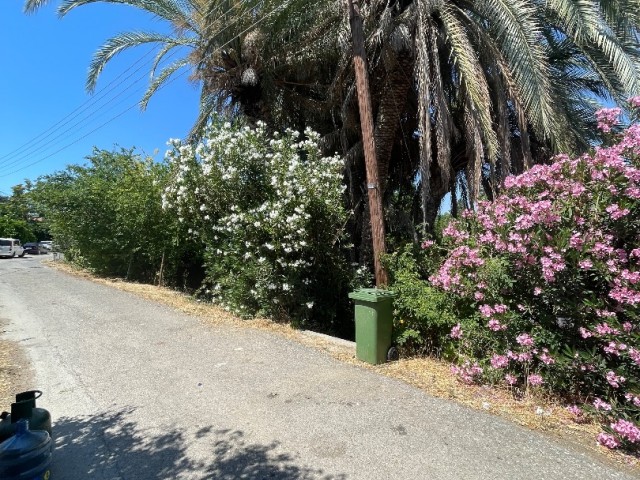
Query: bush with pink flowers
{"points": [[549, 273]]}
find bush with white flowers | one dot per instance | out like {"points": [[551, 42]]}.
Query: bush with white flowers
{"points": [[269, 209]]}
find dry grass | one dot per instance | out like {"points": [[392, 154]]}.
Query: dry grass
{"points": [[533, 411], [15, 373]]}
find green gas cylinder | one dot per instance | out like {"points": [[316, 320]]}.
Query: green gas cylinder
{"points": [[25, 408]]}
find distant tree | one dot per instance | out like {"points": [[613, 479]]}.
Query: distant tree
{"points": [[108, 215], [13, 228], [20, 215]]}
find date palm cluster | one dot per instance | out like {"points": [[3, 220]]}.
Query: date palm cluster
{"points": [[464, 92]]}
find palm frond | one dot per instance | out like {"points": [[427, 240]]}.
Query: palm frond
{"points": [[30, 6], [160, 80], [423, 69], [586, 26], [168, 46], [117, 44], [442, 115], [501, 68], [623, 16], [474, 151], [173, 11], [578, 18], [514, 26], [472, 77]]}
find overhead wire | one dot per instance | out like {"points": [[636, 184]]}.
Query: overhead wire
{"points": [[38, 139], [86, 104], [106, 90], [60, 134]]}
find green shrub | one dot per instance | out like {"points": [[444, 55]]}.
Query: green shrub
{"points": [[422, 314]]}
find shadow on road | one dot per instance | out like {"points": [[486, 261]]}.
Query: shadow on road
{"points": [[111, 446]]}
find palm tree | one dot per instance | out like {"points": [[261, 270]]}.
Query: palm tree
{"points": [[203, 34], [498, 84], [465, 92], [222, 44]]}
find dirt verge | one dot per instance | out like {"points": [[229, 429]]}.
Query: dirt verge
{"points": [[15, 371]]}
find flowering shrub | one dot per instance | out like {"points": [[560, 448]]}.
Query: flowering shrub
{"points": [[269, 210], [550, 275]]}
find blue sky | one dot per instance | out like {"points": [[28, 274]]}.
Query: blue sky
{"points": [[44, 64]]}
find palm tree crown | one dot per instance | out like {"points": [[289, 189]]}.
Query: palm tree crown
{"points": [[465, 92]]}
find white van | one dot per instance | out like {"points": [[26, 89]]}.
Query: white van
{"points": [[10, 247]]}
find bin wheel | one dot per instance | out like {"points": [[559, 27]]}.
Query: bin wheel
{"points": [[392, 354]]}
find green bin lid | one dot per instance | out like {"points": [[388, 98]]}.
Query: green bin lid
{"points": [[371, 295]]}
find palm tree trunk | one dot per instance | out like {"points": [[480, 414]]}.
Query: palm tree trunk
{"points": [[392, 105]]}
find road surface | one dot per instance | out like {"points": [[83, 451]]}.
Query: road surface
{"points": [[139, 391]]}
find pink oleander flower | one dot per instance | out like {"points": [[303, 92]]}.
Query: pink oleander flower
{"points": [[627, 430], [616, 212], [607, 440], [605, 329], [633, 399], [575, 410], [627, 327], [546, 358], [452, 231], [467, 373], [585, 264], [479, 296], [524, 357], [500, 308], [510, 379], [607, 118], [495, 325], [635, 355], [612, 348], [631, 277], [625, 295], [456, 332], [499, 361], [537, 291], [535, 380], [614, 380], [601, 405], [426, 244], [584, 333], [525, 340], [634, 102], [486, 310]]}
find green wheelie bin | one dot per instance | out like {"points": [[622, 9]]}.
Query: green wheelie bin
{"points": [[374, 321]]}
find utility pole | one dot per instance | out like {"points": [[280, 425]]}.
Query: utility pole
{"points": [[368, 141]]}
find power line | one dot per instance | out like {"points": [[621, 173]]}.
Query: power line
{"points": [[237, 36], [60, 133], [70, 114], [94, 100]]}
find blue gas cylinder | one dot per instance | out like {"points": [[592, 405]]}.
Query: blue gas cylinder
{"points": [[26, 455]]}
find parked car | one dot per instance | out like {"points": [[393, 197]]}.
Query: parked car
{"points": [[48, 244], [10, 247], [35, 248]]}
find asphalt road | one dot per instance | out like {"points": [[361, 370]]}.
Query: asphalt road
{"points": [[139, 391]]}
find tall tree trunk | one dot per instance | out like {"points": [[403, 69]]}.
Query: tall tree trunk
{"points": [[366, 120]]}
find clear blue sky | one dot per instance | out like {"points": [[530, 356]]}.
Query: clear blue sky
{"points": [[44, 62]]}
